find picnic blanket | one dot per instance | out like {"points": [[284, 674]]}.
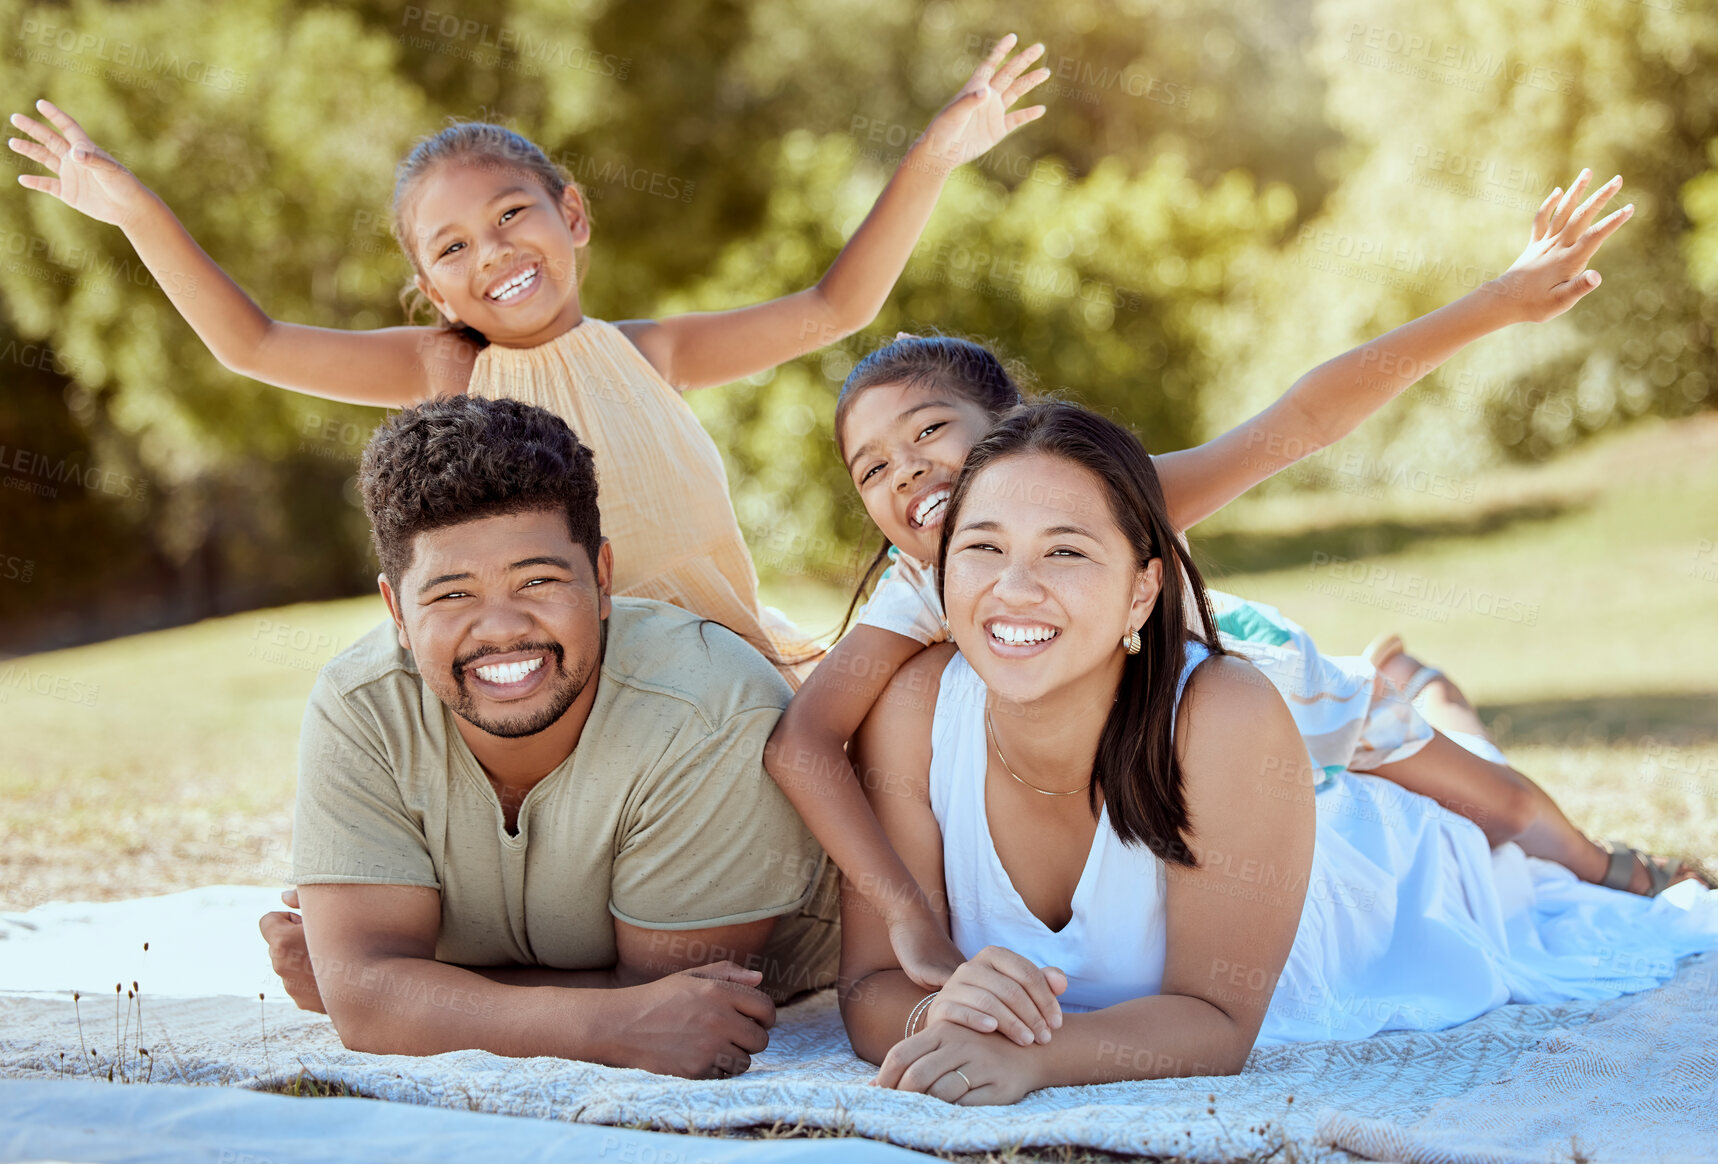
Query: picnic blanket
{"points": [[1634, 1079]]}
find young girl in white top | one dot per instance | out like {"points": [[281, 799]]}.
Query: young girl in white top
{"points": [[907, 417], [495, 233], [1061, 803]]}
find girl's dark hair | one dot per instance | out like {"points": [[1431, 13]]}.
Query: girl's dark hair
{"points": [[1136, 765], [922, 361], [471, 143]]}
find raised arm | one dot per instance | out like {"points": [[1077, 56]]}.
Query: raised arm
{"points": [[390, 366], [1230, 925], [700, 350], [1329, 402], [373, 947]]}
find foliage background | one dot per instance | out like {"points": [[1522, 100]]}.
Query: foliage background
{"points": [[1223, 193]]}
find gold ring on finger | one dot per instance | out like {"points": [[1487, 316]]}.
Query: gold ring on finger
{"points": [[963, 1078]]}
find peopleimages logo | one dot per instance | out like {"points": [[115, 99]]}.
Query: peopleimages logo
{"points": [[27, 681], [50, 472], [1440, 597]]}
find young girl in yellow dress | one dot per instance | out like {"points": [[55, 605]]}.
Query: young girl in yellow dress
{"points": [[494, 231]]}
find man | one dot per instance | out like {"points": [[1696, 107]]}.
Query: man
{"points": [[534, 819]]}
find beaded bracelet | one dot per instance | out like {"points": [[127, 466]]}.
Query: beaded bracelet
{"points": [[923, 1006]]}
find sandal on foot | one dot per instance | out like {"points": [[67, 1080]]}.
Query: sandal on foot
{"points": [[1619, 874]]}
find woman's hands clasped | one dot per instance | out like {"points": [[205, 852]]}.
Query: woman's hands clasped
{"points": [[980, 1031], [958, 1065]]}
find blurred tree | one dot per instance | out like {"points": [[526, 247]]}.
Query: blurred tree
{"points": [[1224, 193], [1459, 119]]}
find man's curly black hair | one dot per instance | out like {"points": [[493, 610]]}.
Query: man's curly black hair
{"points": [[462, 457]]}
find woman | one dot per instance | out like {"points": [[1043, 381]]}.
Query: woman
{"points": [[1086, 788]]}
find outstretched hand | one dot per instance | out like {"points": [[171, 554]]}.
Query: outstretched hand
{"points": [[979, 116], [86, 177], [1551, 275]]}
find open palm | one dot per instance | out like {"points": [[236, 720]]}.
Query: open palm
{"points": [[86, 177], [979, 116], [1551, 275]]}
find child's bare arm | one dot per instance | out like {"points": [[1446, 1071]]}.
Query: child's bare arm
{"points": [[1330, 401], [807, 756], [700, 350], [390, 366]]}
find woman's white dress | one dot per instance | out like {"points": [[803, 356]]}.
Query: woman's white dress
{"points": [[1410, 922]]}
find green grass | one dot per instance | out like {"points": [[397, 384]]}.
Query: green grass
{"points": [[166, 760]]}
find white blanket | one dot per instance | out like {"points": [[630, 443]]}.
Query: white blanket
{"points": [[1516, 1084]]}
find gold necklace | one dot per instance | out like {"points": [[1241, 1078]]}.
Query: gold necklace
{"points": [[997, 744]]}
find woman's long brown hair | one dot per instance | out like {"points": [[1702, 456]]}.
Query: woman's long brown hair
{"points": [[1136, 766]]}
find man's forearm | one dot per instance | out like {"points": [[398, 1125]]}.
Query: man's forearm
{"points": [[549, 976], [418, 1006]]}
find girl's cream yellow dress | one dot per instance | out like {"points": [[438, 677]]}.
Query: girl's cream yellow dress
{"points": [[661, 484]]}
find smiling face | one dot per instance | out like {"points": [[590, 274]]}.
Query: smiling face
{"points": [[905, 444], [504, 617], [496, 251], [1040, 583]]}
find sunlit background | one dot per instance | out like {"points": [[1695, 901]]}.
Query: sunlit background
{"points": [[1222, 194]]}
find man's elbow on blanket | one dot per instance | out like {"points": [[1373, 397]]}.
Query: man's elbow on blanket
{"points": [[411, 1006]]}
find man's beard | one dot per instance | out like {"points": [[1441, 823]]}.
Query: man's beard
{"points": [[564, 690]]}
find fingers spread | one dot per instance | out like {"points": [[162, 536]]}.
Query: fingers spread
{"points": [[988, 69], [1024, 86], [65, 124], [1542, 218], [1006, 75], [1566, 205], [53, 141], [1020, 117], [35, 152], [1602, 230], [1583, 217]]}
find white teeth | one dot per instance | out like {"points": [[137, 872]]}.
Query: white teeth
{"points": [[928, 506], [508, 672], [513, 286], [1020, 635]]}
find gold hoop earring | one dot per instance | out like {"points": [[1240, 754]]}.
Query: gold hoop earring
{"points": [[1131, 643]]}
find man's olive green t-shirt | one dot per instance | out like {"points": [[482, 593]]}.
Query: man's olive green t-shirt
{"points": [[663, 816]]}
